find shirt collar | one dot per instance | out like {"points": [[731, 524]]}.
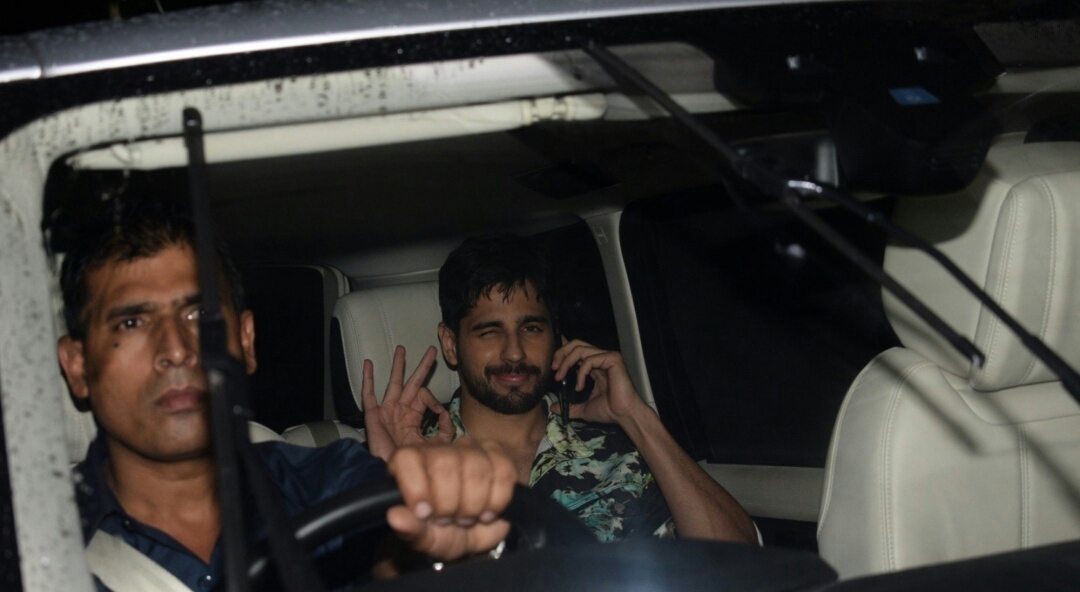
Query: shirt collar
{"points": [[92, 492], [562, 437]]}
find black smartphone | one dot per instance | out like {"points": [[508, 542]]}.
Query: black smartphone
{"points": [[567, 384], [564, 389]]}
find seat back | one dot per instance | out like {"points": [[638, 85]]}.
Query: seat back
{"points": [[369, 324], [932, 459]]}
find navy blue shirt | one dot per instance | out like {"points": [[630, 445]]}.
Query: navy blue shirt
{"points": [[304, 477]]}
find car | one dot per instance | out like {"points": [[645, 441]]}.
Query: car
{"points": [[717, 182]]}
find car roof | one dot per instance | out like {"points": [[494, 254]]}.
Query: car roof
{"points": [[256, 26]]}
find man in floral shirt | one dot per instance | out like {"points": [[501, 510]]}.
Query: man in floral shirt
{"points": [[594, 471], [614, 464]]}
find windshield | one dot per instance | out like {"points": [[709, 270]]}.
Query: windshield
{"points": [[725, 221]]}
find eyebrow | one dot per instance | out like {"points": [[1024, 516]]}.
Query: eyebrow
{"points": [[521, 321], [128, 310]]}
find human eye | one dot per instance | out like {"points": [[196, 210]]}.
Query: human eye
{"points": [[488, 331], [127, 324], [193, 313]]}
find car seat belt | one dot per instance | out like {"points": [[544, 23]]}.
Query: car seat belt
{"points": [[123, 568], [324, 432]]}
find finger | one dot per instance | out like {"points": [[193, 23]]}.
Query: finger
{"points": [[477, 475], [397, 370], [484, 537], [443, 466], [417, 378], [503, 479], [446, 427], [426, 400], [559, 362], [405, 523], [565, 350], [602, 362], [407, 466], [367, 387], [572, 355]]}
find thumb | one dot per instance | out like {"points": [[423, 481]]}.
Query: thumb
{"points": [[446, 426], [575, 409]]}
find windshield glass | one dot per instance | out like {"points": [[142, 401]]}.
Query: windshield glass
{"points": [[687, 237]]}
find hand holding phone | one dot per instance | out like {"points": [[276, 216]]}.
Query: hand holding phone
{"points": [[567, 384], [564, 389]]}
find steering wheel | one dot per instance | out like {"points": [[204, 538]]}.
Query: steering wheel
{"points": [[565, 555], [537, 522]]}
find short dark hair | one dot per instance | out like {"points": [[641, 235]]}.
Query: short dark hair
{"points": [[481, 264], [131, 228]]}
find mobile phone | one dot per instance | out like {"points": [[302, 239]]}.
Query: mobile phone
{"points": [[564, 389], [567, 384]]}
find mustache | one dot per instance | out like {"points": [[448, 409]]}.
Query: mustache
{"points": [[508, 368], [181, 378]]}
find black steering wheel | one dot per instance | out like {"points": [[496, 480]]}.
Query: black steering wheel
{"points": [[565, 555], [537, 522]]}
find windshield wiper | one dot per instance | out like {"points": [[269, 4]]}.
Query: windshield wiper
{"points": [[792, 192], [230, 410]]}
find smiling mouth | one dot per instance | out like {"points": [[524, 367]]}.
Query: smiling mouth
{"points": [[512, 375], [513, 379], [180, 400]]}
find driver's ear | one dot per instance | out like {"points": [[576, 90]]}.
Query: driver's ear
{"points": [[247, 341], [448, 342], [73, 362]]}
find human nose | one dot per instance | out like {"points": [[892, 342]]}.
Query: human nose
{"points": [[512, 349], [177, 343]]}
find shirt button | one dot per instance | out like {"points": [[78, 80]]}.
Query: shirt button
{"points": [[128, 525], [206, 582]]}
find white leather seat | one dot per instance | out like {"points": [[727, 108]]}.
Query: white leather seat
{"points": [[317, 434], [932, 459], [370, 324], [374, 321]]}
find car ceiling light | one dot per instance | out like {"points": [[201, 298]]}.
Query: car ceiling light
{"points": [[360, 132]]}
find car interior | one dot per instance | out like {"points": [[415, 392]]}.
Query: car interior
{"points": [[845, 424]]}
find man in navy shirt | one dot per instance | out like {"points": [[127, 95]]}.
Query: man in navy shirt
{"points": [[132, 303]]}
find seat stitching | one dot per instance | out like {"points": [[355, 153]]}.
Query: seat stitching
{"points": [[356, 345], [890, 548], [1025, 484], [1050, 276], [384, 317], [826, 499], [1003, 272]]}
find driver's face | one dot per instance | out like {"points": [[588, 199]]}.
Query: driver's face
{"points": [[139, 362]]}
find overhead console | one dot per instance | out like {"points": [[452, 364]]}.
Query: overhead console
{"points": [[900, 101]]}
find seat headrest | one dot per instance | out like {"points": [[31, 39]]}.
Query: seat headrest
{"points": [[1014, 231], [374, 321]]}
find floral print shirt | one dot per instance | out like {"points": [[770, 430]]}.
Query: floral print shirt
{"points": [[595, 472]]}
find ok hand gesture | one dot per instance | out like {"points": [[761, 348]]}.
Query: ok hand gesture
{"points": [[397, 421]]}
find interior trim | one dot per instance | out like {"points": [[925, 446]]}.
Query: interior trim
{"points": [[788, 493]]}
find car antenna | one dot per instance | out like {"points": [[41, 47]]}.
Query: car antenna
{"points": [[230, 409], [791, 192]]}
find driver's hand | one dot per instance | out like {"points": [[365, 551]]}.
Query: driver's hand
{"points": [[453, 495]]}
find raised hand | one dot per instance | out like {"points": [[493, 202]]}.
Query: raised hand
{"points": [[453, 497], [397, 420], [614, 398]]}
